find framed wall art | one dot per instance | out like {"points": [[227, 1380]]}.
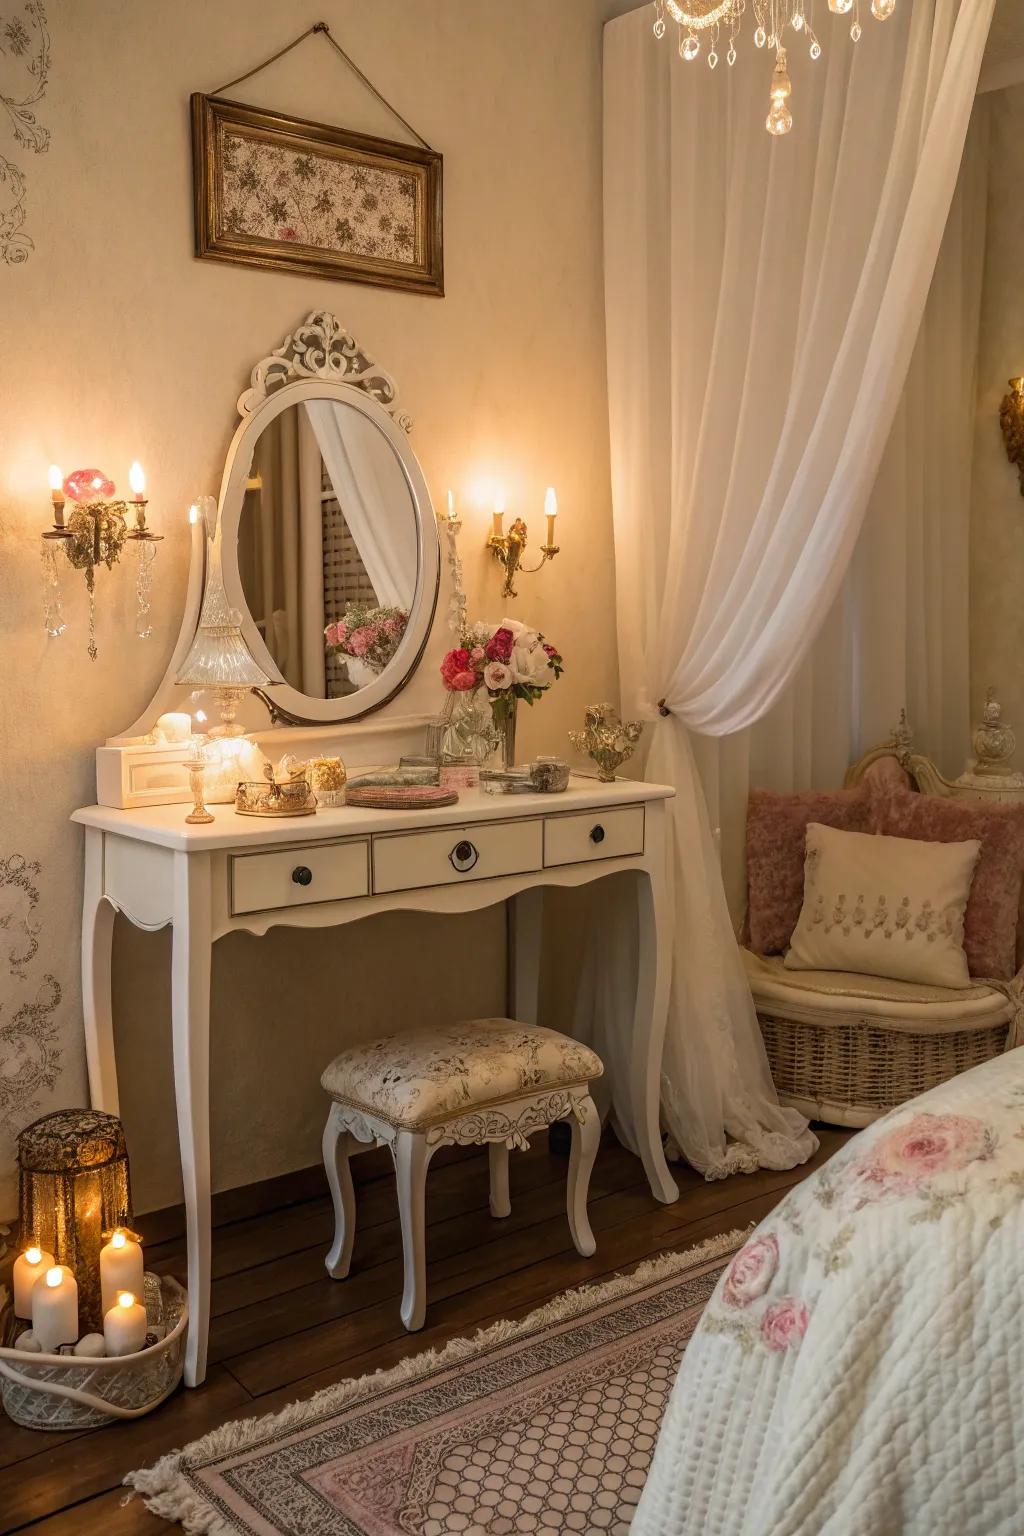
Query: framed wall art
{"points": [[277, 192]]}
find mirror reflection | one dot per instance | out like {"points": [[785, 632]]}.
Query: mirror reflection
{"points": [[327, 547]]}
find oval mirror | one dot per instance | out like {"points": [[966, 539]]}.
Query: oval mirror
{"points": [[330, 550]]}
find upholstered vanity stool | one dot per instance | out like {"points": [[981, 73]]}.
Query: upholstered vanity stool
{"points": [[486, 1081]]}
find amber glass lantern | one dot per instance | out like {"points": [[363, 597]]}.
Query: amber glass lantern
{"points": [[73, 1187]]}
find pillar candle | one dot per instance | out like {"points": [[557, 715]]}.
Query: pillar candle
{"points": [[121, 1268], [28, 1268], [55, 1309], [124, 1326]]}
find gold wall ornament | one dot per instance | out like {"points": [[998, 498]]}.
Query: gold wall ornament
{"points": [[507, 548], [1011, 419], [607, 739]]}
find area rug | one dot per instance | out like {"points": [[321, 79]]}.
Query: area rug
{"points": [[545, 1425]]}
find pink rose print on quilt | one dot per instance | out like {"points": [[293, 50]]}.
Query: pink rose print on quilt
{"points": [[751, 1271], [906, 1157], [784, 1324]]}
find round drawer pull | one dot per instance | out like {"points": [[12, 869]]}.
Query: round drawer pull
{"points": [[597, 834], [463, 856], [301, 875]]}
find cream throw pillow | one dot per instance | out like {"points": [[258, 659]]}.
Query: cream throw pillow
{"points": [[884, 906]]}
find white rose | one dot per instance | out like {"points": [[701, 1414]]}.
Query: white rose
{"points": [[531, 665], [497, 675]]}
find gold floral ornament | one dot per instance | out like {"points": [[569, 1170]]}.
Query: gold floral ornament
{"points": [[1011, 419], [607, 739]]}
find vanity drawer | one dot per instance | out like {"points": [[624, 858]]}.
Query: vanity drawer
{"points": [[593, 835], [296, 877], [407, 861]]}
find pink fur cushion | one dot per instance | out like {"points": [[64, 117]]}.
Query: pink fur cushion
{"points": [[990, 924], [776, 833]]}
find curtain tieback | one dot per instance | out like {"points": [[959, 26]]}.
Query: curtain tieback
{"points": [[663, 708]]}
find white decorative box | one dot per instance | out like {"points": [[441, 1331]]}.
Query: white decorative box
{"points": [[135, 775]]}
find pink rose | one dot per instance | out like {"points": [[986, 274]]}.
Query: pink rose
{"points": [[477, 653], [462, 682], [359, 642], [784, 1324], [331, 635], [499, 646], [497, 676], [393, 626], [923, 1146], [751, 1271]]}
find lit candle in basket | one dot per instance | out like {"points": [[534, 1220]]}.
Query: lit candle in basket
{"points": [[29, 1267], [121, 1268], [124, 1326], [55, 1309]]}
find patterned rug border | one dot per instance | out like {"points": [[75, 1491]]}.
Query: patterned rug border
{"points": [[168, 1493]]}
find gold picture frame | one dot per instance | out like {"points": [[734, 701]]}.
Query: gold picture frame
{"points": [[281, 193]]}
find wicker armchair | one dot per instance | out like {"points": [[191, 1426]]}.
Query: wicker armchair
{"points": [[846, 1048]]}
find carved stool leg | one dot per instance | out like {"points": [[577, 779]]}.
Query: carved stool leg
{"points": [[497, 1158], [412, 1156], [585, 1138], [339, 1177]]}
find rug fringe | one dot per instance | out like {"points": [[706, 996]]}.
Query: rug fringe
{"points": [[168, 1493]]}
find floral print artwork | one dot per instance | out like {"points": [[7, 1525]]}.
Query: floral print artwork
{"points": [[24, 74], [328, 201]]}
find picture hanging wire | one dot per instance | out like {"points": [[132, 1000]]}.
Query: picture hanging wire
{"points": [[325, 32]]}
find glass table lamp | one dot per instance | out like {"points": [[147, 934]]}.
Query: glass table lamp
{"points": [[219, 661]]}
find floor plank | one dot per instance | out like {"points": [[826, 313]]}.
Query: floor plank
{"points": [[283, 1330]]}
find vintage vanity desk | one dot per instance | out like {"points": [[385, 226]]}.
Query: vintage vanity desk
{"points": [[320, 429]]}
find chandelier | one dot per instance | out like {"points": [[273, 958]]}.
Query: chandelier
{"points": [[720, 19]]}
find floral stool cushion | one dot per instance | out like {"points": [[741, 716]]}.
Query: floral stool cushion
{"points": [[422, 1077]]}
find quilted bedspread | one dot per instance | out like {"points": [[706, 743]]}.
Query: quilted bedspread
{"points": [[859, 1370]]}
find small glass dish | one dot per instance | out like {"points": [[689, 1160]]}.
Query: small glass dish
{"points": [[257, 797], [549, 775]]}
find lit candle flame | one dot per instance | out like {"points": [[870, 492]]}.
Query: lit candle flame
{"points": [[33, 1256], [550, 502], [137, 479], [193, 512], [54, 1277], [56, 478], [118, 1239], [125, 1299]]}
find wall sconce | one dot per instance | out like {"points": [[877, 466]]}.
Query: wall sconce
{"points": [[95, 533], [1011, 419], [507, 548]]}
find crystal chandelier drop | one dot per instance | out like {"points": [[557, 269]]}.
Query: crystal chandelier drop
{"points": [[721, 20]]}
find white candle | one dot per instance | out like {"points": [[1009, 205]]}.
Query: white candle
{"points": [[173, 727], [551, 512], [121, 1268], [124, 1326], [137, 480], [28, 1268], [55, 1309]]}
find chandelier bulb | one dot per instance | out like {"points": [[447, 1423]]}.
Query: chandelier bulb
{"points": [[881, 10]]}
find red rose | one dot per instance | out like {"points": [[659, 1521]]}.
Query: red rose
{"points": [[499, 646]]}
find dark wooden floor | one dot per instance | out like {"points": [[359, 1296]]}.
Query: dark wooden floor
{"points": [[281, 1329]]}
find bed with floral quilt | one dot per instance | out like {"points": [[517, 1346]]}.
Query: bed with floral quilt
{"points": [[859, 1370]]}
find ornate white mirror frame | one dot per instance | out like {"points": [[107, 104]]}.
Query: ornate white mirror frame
{"points": [[319, 361]]}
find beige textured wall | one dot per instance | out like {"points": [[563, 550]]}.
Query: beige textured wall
{"points": [[117, 343], [997, 507]]}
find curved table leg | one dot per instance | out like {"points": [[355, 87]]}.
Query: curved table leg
{"points": [[190, 1032], [654, 960], [97, 1013]]}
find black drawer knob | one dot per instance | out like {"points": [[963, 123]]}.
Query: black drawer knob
{"points": [[597, 834], [463, 856], [302, 876]]}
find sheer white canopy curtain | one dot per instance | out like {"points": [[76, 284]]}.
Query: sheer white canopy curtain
{"points": [[763, 299]]}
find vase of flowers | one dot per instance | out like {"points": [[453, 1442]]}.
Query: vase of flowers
{"points": [[503, 663], [368, 637]]}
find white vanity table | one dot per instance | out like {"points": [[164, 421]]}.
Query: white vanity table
{"points": [[237, 873], [350, 460]]}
